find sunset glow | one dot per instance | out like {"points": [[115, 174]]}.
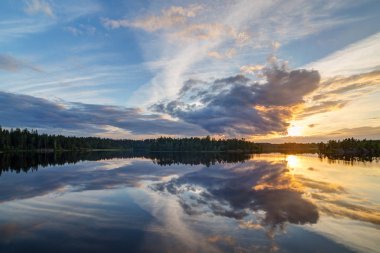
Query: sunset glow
{"points": [[214, 126], [192, 68], [294, 131]]}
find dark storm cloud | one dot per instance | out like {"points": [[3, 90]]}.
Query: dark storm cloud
{"points": [[27, 111], [239, 106], [9, 63]]}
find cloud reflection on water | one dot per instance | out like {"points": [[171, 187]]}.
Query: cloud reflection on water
{"points": [[251, 205], [238, 191]]}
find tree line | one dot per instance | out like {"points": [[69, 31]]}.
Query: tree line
{"points": [[350, 147], [30, 140], [23, 139]]}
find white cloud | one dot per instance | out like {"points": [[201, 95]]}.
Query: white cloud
{"points": [[362, 56], [229, 53], [185, 47], [170, 17], [15, 29], [39, 6], [251, 69], [275, 45]]}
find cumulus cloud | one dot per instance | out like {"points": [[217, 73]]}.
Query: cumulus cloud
{"points": [[37, 6], [239, 106], [9, 63], [27, 111]]}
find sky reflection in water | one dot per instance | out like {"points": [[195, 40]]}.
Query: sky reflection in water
{"points": [[269, 203]]}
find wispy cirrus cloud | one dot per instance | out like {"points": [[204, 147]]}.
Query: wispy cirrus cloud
{"points": [[173, 16], [337, 92], [359, 57], [11, 64], [321, 107], [347, 85], [81, 29], [231, 52], [39, 6], [18, 28], [207, 34]]}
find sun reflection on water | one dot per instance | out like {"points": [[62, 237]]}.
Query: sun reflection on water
{"points": [[293, 161]]}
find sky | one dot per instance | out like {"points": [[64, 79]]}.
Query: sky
{"points": [[261, 70]]}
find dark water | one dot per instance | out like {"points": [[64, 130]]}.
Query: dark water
{"points": [[182, 202]]}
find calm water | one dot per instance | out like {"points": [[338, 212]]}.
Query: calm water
{"points": [[113, 202]]}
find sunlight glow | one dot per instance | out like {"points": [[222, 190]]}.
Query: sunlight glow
{"points": [[293, 161], [294, 130]]}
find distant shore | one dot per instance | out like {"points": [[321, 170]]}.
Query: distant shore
{"points": [[17, 140]]}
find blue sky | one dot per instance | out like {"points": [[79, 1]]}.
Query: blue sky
{"points": [[136, 57]]}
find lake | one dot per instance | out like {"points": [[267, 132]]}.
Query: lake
{"points": [[183, 202]]}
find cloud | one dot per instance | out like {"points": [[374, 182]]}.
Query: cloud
{"points": [[39, 6], [184, 45], [359, 57], [207, 31], [340, 85], [170, 17], [239, 106], [322, 107], [27, 111], [241, 190], [336, 92], [358, 132], [251, 69], [15, 29], [108, 174], [11, 64], [275, 45], [224, 55], [367, 132], [177, 21], [81, 29]]}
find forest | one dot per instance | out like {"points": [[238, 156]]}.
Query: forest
{"points": [[25, 140], [31, 140], [350, 147]]}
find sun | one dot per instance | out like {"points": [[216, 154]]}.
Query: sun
{"points": [[294, 130]]}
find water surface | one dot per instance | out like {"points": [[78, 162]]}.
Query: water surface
{"points": [[181, 202]]}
